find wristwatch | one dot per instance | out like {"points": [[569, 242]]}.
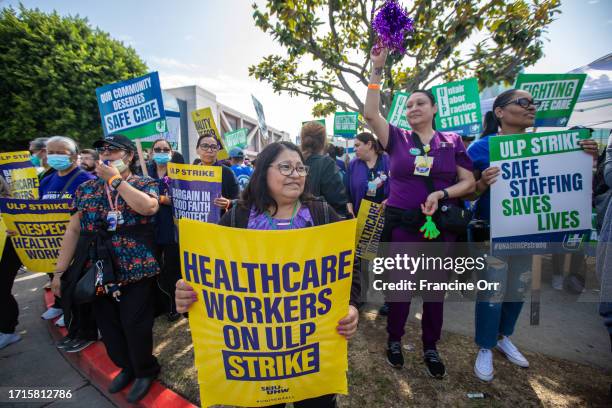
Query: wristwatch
{"points": [[445, 196], [115, 183]]}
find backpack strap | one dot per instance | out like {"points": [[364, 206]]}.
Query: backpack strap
{"points": [[233, 217], [70, 181]]}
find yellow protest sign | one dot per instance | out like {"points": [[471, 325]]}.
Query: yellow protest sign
{"points": [[17, 170], [264, 325], [370, 223], [2, 236], [205, 125], [40, 227]]}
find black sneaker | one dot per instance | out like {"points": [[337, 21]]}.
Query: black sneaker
{"points": [[395, 357], [384, 309], [64, 343], [79, 345], [435, 367]]}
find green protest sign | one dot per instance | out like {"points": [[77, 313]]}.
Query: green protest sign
{"points": [[397, 113], [458, 107], [236, 138], [543, 193], [346, 123], [557, 94]]}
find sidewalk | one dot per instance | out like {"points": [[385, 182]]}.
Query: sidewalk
{"points": [[34, 362]]}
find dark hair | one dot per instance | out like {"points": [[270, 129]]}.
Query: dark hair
{"points": [[332, 150], [257, 194], [161, 140], [432, 99], [491, 123], [93, 152], [313, 136], [205, 136], [39, 143], [367, 137]]}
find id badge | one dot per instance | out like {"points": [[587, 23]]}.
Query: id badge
{"points": [[372, 186], [422, 165], [112, 219]]}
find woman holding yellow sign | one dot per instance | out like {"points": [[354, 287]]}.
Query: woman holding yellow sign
{"points": [[275, 200]]}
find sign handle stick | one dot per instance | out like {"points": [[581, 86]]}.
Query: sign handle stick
{"points": [[143, 166], [536, 284]]}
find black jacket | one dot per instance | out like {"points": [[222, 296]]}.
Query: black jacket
{"points": [[324, 180], [321, 212]]}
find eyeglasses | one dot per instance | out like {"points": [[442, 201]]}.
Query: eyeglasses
{"points": [[209, 147], [286, 169], [524, 103], [161, 150], [108, 148]]}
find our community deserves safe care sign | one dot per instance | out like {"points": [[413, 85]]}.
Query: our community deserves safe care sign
{"points": [[264, 325], [133, 108], [543, 192]]}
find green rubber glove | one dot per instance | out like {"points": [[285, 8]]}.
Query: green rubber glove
{"points": [[429, 229]]}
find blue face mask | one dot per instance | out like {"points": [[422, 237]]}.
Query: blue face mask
{"points": [[161, 158], [35, 161], [59, 161]]}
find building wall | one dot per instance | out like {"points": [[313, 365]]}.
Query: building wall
{"points": [[198, 98]]}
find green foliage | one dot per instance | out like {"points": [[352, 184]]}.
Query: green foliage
{"points": [[50, 67], [337, 35]]}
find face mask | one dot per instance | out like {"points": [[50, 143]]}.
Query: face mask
{"points": [[119, 165], [59, 161], [35, 161], [161, 158]]}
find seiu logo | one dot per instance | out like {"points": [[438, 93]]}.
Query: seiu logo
{"points": [[274, 389]]}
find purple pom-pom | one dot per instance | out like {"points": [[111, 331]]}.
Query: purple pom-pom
{"points": [[391, 24]]}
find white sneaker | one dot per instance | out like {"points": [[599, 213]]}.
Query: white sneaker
{"points": [[60, 322], [483, 368], [509, 350], [557, 282], [7, 339], [52, 313]]}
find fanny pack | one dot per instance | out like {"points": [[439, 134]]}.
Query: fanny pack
{"points": [[449, 217]]}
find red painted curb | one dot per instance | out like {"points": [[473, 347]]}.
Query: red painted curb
{"points": [[94, 364]]}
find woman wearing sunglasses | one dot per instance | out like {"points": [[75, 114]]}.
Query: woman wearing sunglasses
{"points": [[207, 150], [276, 199], [110, 238], [497, 311], [167, 250]]}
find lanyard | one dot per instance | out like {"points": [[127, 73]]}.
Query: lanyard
{"points": [[108, 195], [273, 224]]}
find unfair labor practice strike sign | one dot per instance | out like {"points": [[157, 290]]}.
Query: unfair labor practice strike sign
{"points": [[264, 325], [557, 94], [397, 113], [205, 126], [543, 193], [20, 175], [458, 107], [346, 123], [133, 108]]}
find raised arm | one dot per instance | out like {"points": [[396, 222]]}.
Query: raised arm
{"points": [[371, 111]]}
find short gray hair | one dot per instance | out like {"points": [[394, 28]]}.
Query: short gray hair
{"points": [[72, 145]]}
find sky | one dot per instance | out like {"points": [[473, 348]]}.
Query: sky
{"points": [[211, 43]]}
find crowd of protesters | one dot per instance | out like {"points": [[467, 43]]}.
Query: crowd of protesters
{"points": [[125, 219]]}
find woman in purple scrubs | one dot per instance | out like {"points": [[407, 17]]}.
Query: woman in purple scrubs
{"points": [[452, 178]]}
